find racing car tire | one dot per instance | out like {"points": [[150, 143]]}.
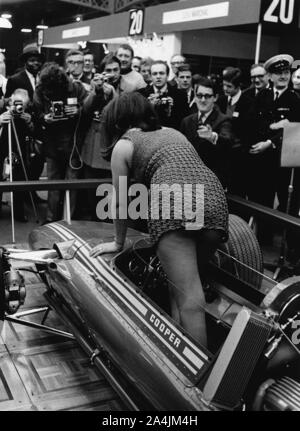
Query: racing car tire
{"points": [[244, 247]]}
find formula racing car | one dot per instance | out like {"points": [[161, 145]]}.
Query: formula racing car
{"points": [[117, 307]]}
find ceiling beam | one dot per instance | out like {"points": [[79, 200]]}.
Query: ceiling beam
{"points": [[99, 5], [121, 5]]}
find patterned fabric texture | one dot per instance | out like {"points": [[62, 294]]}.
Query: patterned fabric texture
{"points": [[165, 159]]}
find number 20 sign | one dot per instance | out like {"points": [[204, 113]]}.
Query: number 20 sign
{"points": [[279, 11], [136, 22]]}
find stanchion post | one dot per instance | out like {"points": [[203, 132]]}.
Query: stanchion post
{"points": [[67, 207]]}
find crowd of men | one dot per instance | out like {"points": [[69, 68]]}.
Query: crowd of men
{"points": [[237, 132]]}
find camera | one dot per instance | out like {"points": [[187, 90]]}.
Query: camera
{"points": [[58, 110], [17, 107], [107, 77]]}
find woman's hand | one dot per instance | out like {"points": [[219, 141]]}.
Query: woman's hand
{"points": [[105, 247]]}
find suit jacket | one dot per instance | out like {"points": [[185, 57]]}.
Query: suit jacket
{"points": [[215, 156], [179, 109], [19, 80], [240, 119], [266, 111]]}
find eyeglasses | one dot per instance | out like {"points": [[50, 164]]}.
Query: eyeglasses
{"points": [[75, 62], [176, 62], [206, 96], [257, 76]]}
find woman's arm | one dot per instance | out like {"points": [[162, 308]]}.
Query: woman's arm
{"points": [[120, 165]]}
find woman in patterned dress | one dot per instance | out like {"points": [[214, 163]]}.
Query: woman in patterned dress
{"points": [[141, 150]]}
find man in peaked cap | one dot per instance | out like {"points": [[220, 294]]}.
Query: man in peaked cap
{"points": [[271, 107]]}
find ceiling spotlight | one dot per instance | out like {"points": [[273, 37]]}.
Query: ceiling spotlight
{"points": [[42, 27], [5, 23], [6, 15], [26, 30], [78, 18]]}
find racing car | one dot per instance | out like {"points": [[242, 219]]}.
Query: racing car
{"points": [[117, 308]]}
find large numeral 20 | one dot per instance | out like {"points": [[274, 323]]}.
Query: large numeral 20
{"points": [[286, 12], [136, 26]]}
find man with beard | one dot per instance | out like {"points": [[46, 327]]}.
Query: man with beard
{"points": [[133, 80]]}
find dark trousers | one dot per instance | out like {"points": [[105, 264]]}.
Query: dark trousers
{"points": [[59, 169], [261, 187], [18, 197]]}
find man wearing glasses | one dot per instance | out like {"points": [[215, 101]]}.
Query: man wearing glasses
{"points": [[176, 61], [74, 68], [259, 80], [209, 131]]}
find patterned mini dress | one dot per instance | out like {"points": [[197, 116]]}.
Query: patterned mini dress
{"points": [[183, 192]]}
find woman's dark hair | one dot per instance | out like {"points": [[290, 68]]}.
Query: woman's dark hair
{"points": [[124, 112], [54, 81]]}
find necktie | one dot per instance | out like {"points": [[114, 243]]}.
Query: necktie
{"points": [[276, 96], [229, 101], [201, 120]]}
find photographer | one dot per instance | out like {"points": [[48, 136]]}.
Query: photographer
{"points": [[17, 112], [57, 106], [95, 166], [170, 104]]}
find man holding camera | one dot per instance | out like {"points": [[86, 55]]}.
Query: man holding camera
{"points": [[75, 66], [210, 131], [91, 137], [28, 79], [170, 103], [57, 104], [18, 115]]}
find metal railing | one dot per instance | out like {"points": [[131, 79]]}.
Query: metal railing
{"points": [[236, 204]]}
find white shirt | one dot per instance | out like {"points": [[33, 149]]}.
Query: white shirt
{"points": [[3, 82], [235, 98], [280, 92], [33, 80], [164, 89], [204, 116]]}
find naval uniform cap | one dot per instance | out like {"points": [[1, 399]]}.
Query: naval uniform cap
{"points": [[278, 63]]}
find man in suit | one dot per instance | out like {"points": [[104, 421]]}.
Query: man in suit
{"points": [[176, 61], [170, 103], [259, 79], [210, 131], [27, 79], [74, 66], [185, 83], [236, 105]]}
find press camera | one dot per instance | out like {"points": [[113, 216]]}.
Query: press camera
{"points": [[17, 107], [58, 109]]}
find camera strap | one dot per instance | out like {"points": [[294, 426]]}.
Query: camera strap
{"points": [[75, 150]]}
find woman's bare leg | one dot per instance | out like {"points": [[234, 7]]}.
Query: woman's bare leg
{"points": [[178, 256]]}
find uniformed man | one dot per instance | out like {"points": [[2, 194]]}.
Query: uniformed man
{"points": [[272, 108]]}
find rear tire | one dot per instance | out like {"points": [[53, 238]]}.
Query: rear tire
{"points": [[244, 247]]}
